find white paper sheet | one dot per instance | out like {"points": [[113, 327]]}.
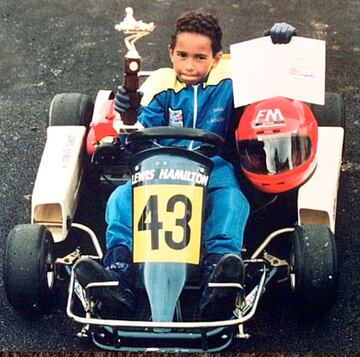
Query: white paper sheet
{"points": [[262, 70]]}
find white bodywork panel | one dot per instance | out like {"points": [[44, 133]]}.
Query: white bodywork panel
{"points": [[317, 198], [55, 194], [101, 100]]}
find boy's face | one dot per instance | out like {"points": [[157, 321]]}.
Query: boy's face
{"points": [[192, 57]]}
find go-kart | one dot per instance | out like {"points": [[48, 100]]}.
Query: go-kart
{"points": [[169, 188]]}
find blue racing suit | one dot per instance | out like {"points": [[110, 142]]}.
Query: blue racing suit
{"points": [[208, 105]]}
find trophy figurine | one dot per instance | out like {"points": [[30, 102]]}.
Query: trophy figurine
{"points": [[133, 30]]}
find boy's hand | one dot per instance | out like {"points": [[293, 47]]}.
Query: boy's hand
{"points": [[122, 100], [281, 33]]}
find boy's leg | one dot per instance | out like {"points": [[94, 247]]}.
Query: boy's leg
{"points": [[116, 302], [227, 213], [218, 303], [118, 217], [113, 302]]}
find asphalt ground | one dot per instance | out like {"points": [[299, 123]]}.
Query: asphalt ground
{"points": [[48, 47]]}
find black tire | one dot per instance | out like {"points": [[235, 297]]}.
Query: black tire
{"points": [[71, 109], [314, 271], [332, 113], [29, 268]]}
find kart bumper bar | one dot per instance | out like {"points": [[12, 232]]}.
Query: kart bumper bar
{"points": [[130, 335], [166, 325], [112, 339]]}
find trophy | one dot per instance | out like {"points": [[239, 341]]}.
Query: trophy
{"points": [[133, 30]]}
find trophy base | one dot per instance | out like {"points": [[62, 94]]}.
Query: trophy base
{"points": [[122, 128]]}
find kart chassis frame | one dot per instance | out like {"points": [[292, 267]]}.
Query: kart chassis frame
{"points": [[109, 334]]}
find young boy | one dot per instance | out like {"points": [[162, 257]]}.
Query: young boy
{"points": [[197, 93]]}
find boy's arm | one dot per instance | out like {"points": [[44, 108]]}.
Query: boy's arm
{"points": [[153, 114], [152, 111]]}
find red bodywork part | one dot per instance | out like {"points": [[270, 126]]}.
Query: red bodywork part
{"points": [[101, 127]]}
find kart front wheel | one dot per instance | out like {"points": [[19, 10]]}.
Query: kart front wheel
{"points": [[29, 268], [71, 109], [313, 268]]}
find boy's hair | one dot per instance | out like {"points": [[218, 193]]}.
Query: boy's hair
{"points": [[201, 22]]}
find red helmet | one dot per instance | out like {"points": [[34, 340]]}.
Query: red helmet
{"points": [[276, 141]]}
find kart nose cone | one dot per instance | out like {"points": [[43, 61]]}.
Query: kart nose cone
{"points": [[163, 283]]}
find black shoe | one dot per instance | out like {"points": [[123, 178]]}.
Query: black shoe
{"points": [[117, 302], [219, 303]]}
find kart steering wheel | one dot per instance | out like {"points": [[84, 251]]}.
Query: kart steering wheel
{"points": [[142, 139]]}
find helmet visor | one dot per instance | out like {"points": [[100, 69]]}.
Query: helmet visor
{"points": [[274, 154]]}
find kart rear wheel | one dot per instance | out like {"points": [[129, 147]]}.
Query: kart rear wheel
{"points": [[71, 109], [29, 268], [332, 113], [314, 268]]}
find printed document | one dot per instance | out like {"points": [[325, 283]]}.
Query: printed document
{"points": [[261, 70]]}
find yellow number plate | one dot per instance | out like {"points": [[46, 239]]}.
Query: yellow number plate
{"points": [[167, 223]]}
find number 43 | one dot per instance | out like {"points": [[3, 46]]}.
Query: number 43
{"points": [[151, 210]]}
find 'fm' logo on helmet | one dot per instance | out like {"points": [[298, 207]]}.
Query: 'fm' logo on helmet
{"points": [[269, 117]]}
